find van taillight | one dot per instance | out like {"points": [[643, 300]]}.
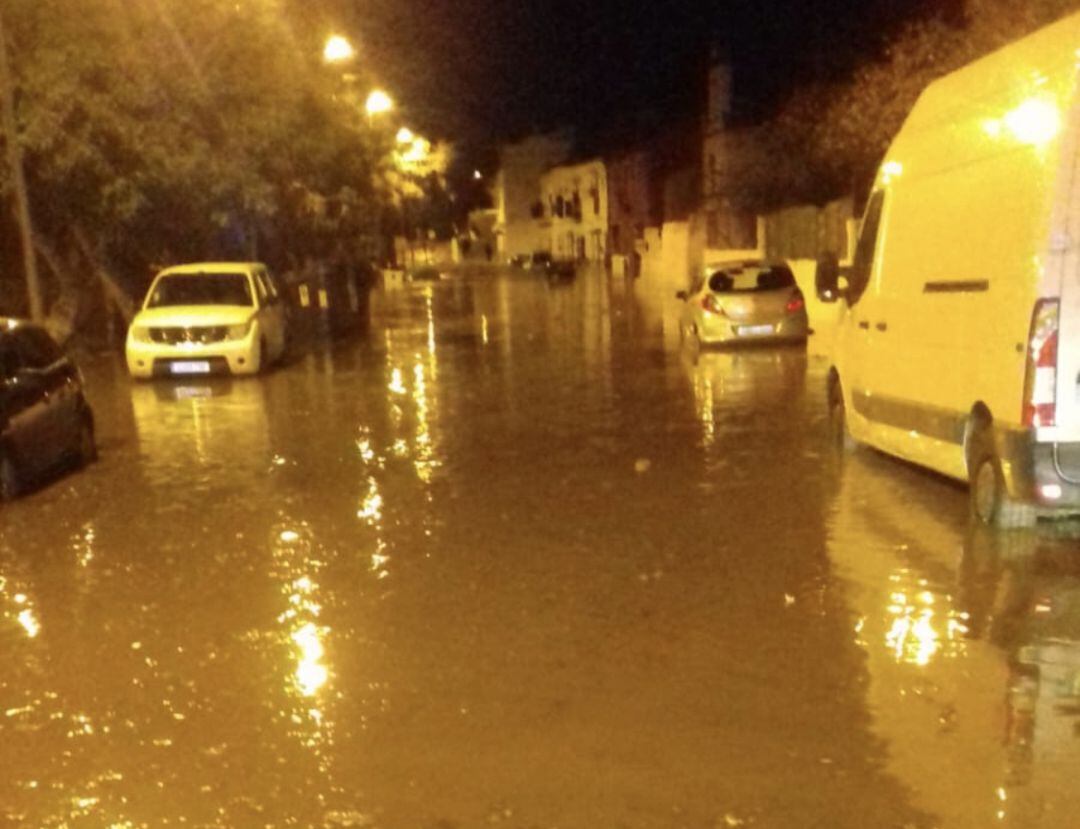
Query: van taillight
{"points": [[796, 303], [1040, 375]]}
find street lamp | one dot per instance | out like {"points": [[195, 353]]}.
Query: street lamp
{"points": [[377, 103], [338, 49]]}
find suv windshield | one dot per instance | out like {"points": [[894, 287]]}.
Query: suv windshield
{"points": [[751, 278], [201, 289]]}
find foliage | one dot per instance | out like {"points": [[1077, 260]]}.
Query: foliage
{"points": [[827, 139], [186, 129]]}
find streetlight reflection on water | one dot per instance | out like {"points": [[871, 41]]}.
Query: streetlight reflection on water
{"points": [[305, 634]]}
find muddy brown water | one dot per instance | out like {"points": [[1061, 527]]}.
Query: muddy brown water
{"points": [[513, 557]]}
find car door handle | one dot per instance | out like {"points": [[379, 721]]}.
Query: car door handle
{"points": [[882, 326], [864, 325]]}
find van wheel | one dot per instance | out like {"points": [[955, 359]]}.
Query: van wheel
{"points": [[262, 362], [9, 479], [990, 502]]}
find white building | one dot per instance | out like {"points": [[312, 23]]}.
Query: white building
{"points": [[575, 201], [521, 226]]}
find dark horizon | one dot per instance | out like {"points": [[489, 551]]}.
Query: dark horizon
{"points": [[482, 71]]}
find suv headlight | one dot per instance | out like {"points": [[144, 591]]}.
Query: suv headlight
{"points": [[239, 332], [140, 334]]}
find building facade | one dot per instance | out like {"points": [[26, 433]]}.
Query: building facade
{"points": [[575, 202], [629, 201], [726, 228], [521, 226]]}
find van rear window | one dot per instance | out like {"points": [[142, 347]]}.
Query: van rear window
{"points": [[751, 279]]}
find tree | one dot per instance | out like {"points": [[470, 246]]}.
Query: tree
{"points": [[865, 113], [183, 129]]}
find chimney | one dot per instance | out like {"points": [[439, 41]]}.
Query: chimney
{"points": [[718, 112]]}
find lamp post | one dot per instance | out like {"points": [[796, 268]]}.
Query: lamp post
{"points": [[338, 49], [18, 180], [377, 103]]}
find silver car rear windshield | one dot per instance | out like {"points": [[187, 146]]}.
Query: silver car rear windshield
{"points": [[201, 289], [751, 279]]}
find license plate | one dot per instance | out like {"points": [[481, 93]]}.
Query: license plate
{"points": [[190, 367], [193, 392], [755, 330]]}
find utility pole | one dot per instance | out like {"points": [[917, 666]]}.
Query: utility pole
{"points": [[18, 180]]}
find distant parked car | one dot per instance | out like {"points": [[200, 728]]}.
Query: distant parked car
{"points": [[521, 260], [540, 260], [745, 302], [425, 273], [208, 318], [562, 270], [44, 416]]}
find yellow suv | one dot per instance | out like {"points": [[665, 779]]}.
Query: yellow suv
{"points": [[208, 318]]}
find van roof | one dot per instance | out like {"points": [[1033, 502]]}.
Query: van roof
{"points": [[973, 99], [215, 267]]}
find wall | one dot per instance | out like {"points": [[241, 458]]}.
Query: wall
{"points": [[806, 231], [628, 201], [673, 254], [517, 190]]}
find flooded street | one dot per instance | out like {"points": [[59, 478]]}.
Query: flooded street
{"points": [[512, 557]]}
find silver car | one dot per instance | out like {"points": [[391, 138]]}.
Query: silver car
{"points": [[744, 302]]}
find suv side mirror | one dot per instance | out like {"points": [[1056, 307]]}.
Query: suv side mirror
{"points": [[827, 277]]}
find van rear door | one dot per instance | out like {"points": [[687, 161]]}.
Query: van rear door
{"points": [[1061, 281], [1067, 410]]}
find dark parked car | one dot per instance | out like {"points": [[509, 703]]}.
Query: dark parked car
{"points": [[44, 417], [540, 261], [562, 270]]}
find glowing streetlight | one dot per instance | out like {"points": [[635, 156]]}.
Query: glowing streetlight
{"points": [[378, 102], [338, 50], [405, 136], [477, 175]]}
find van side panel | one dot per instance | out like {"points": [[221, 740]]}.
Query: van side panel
{"points": [[960, 279], [973, 179]]}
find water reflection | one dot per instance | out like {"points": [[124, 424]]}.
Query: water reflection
{"points": [[731, 382], [956, 620], [297, 570], [922, 625], [183, 427]]}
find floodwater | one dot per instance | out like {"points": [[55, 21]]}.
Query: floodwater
{"points": [[512, 557]]}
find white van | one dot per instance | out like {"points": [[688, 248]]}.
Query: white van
{"points": [[958, 339]]}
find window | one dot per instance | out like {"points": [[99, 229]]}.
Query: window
{"points": [[35, 348], [751, 279], [201, 289], [271, 286], [863, 264], [262, 290]]}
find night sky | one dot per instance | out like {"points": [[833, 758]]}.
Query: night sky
{"points": [[490, 69]]}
